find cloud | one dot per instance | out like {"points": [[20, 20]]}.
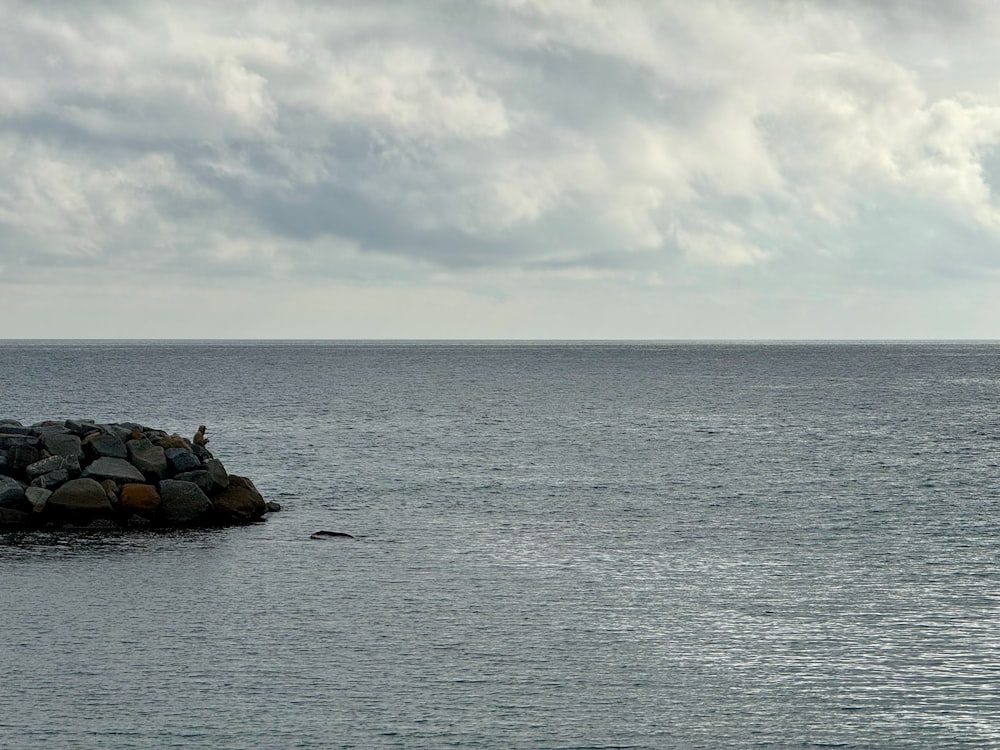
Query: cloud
{"points": [[628, 141]]}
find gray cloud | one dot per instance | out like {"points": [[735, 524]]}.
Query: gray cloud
{"points": [[626, 144]]}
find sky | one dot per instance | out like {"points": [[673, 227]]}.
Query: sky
{"points": [[503, 169]]}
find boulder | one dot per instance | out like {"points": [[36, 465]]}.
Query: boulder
{"points": [[220, 477], [240, 502], [79, 500], [117, 469], [105, 445], [12, 495], [52, 480], [147, 458], [272, 507], [37, 497], [111, 490], [200, 477], [20, 457], [183, 504], [45, 465], [63, 444], [173, 441], [121, 431], [140, 498], [16, 429], [13, 422], [181, 460]]}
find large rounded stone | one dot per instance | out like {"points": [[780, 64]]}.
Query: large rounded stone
{"points": [[79, 500], [140, 498], [147, 458], [183, 504], [240, 501], [117, 469]]}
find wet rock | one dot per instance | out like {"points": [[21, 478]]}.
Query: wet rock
{"points": [[181, 460], [240, 502], [140, 498], [272, 507], [330, 535], [79, 500], [215, 469], [200, 477], [183, 504], [81, 427], [117, 469]]}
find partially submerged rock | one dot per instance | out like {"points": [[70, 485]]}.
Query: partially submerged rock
{"points": [[82, 473]]}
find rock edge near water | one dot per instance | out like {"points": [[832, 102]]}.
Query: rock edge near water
{"points": [[77, 473]]}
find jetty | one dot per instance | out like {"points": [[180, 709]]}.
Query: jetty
{"points": [[76, 473]]}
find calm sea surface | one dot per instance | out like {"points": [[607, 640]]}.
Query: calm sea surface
{"points": [[559, 546]]}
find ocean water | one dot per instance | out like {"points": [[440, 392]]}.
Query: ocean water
{"points": [[558, 546]]}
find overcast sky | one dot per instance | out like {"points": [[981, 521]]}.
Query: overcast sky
{"points": [[500, 169]]}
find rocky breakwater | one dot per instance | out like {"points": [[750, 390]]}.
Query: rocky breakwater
{"points": [[82, 474]]}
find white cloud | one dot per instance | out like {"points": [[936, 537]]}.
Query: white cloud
{"points": [[626, 143]]}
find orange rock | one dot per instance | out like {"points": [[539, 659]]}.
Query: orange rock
{"points": [[140, 498]]}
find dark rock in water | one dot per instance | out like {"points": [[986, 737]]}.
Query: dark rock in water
{"points": [[13, 422], [330, 535], [183, 503], [63, 444], [240, 502], [51, 480], [12, 495], [14, 519], [20, 457], [79, 500], [117, 469], [147, 458], [140, 498], [272, 507], [105, 445], [181, 460]]}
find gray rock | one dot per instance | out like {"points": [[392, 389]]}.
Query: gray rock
{"points": [[13, 422], [105, 445], [203, 453], [8, 441], [12, 495], [121, 431], [181, 460], [52, 480], [38, 496], [330, 535], [63, 444], [45, 465], [147, 458], [117, 469], [272, 507], [81, 427], [79, 500], [200, 477], [218, 473], [17, 429], [183, 503], [240, 502], [20, 457]]}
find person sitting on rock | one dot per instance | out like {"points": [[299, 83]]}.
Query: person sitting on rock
{"points": [[199, 437]]}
